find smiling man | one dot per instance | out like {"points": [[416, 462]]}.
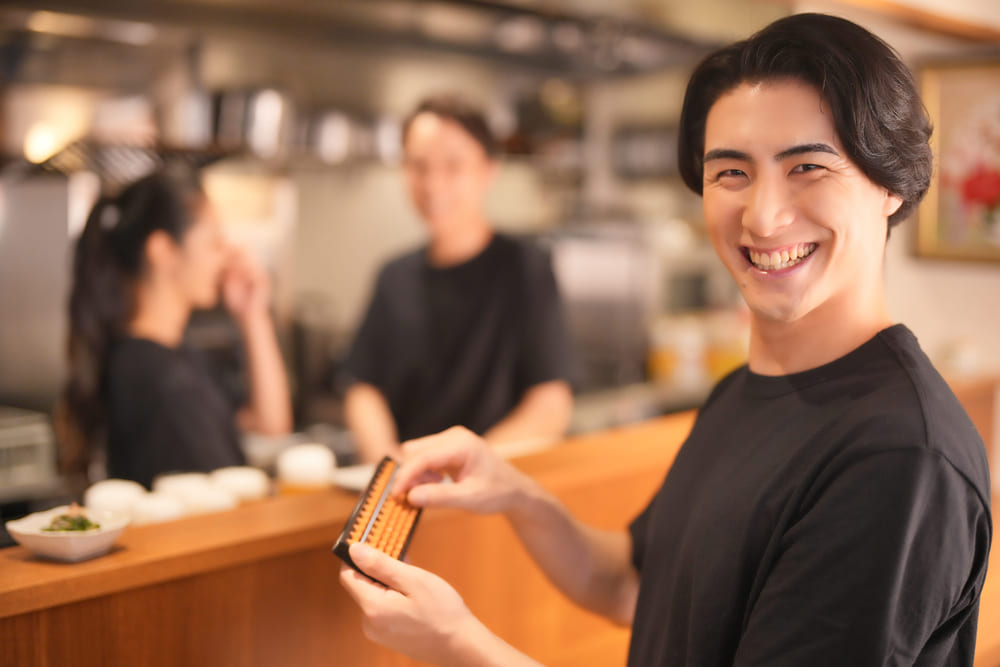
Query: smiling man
{"points": [[831, 504], [799, 225]]}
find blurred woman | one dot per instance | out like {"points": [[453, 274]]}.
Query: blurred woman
{"points": [[145, 260]]}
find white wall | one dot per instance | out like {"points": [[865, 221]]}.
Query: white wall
{"points": [[950, 306], [350, 221]]}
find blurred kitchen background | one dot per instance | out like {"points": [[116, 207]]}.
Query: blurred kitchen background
{"points": [[294, 109]]}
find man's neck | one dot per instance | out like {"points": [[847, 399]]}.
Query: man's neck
{"points": [[461, 244], [823, 335]]}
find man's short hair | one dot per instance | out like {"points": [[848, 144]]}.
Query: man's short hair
{"points": [[877, 112], [458, 110]]}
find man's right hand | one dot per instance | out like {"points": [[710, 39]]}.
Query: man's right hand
{"points": [[593, 567], [482, 481]]}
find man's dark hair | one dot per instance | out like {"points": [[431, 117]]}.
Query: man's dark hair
{"points": [[456, 109], [877, 112]]}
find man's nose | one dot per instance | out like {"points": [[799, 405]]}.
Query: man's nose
{"points": [[433, 180], [769, 208]]}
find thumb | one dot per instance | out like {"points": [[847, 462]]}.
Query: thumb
{"points": [[381, 566]]}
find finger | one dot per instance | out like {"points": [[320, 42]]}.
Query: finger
{"points": [[237, 253], [385, 568], [439, 495], [429, 477], [232, 263], [232, 280], [444, 457], [359, 587], [434, 440], [367, 594]]}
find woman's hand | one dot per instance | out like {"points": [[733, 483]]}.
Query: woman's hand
{"points": [[483, 482], [246, 290], [415, 612], [246, 287]]}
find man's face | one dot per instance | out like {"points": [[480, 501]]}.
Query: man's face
{"points": [[448, 173], [796, 223]]}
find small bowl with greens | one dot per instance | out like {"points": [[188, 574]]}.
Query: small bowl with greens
{"points": [[68, 533]]}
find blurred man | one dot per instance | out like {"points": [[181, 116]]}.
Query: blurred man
{"points": [[467, 330]]}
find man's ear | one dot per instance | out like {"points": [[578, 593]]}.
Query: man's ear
{"points": [[161, 251]]}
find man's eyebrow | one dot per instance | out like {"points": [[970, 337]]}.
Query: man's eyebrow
{"points": [[806, 148], [732, 154], [725, 154]]}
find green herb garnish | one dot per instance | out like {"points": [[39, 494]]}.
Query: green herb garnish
{"points": [[65, 522]]}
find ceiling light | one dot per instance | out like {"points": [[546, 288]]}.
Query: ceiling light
{"points": [[41, 142]]}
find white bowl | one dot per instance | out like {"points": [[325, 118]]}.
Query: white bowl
{"points": [[179, 484], [113, 495], [196, 491], [70, 546], [244, 482], [156, 508], [306, 465]]}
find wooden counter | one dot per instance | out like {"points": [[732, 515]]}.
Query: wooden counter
{"points": [[259, 586]]}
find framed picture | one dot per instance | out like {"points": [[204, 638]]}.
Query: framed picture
{"points": [[960, 217]]}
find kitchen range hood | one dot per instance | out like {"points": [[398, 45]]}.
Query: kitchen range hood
{"points": [[551, 37], [117, 164]]}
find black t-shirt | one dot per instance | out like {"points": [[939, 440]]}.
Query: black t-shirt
{"points": [[166, 413], [460, 345], [838, 516]]}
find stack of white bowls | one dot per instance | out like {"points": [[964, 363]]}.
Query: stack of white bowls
{"points": [[177, 495]]}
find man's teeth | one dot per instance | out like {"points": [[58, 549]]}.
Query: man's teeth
{"points": [[782, 259]]}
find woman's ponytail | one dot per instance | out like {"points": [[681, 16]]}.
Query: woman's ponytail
{"points": [[98, 308]]}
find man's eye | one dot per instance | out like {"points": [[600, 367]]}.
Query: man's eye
{"points": [[729, 173], [803, 168]]}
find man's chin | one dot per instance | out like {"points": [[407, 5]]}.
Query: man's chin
{"points": [[440, 225], [206, 303]]}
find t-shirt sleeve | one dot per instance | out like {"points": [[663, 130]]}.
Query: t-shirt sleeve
{"points": [[546, 348], [891, 548], [637, 530], [365, 361]]}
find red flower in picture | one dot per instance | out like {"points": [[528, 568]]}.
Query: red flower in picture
{"points": [[982, 186]]}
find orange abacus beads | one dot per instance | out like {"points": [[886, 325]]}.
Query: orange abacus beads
{"points": [[379, 520]]}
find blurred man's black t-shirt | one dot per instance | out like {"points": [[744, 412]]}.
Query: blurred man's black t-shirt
{"points": [[166, 413], [838, 516], [461, 345]]}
